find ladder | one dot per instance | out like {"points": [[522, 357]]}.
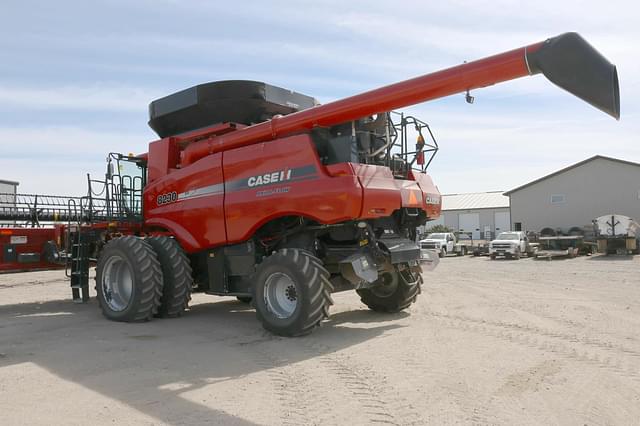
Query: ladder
{"points": [[77, 250]]}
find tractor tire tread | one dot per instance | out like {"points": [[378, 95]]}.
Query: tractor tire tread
{"points": [[177, 276], [149, 271], [315, 277], [403, 297]]}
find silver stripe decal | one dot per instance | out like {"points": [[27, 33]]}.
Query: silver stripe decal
{"points": [[201, 192]]}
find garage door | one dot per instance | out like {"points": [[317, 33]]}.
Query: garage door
{"points": [[502, 222], [470, 222]]}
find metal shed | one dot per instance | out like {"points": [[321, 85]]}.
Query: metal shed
{"points": [[576, 195], [482, 213]]}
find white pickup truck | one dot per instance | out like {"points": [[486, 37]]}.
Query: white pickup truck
{"points": [[512, 244], [444, 243]]}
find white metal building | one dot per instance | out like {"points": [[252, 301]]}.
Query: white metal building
{"points": [[8, 186], [576, 195], [482, 213]]}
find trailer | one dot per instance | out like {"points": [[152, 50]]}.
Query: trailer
{"points": [[617, 234], [563, 246], [35, 238]]}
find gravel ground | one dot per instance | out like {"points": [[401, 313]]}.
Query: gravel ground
{"points": [[488, 342]]}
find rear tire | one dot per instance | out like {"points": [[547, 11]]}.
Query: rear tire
{"points": [[393, 294], [492, 256], [291, 292], [177, 276], [128, 280]]}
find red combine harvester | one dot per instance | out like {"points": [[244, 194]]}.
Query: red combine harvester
{"points": [[258, 192]]}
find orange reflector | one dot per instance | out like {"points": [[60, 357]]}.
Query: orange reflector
{"points": [[412, 198], [6, 232]]}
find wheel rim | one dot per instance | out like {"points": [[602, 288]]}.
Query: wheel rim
{"points": [[280, 295], [117, 283], [388, 285]]}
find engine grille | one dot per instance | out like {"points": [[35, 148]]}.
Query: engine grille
{"points": [[501, 245]]}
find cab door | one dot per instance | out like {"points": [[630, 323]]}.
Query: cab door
{"points": [[450, 243]]}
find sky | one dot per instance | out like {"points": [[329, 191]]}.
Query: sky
{"points": [[76, 77]]}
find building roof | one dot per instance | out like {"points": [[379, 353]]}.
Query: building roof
{"points": [[588, 160], [9, 182], [475, 200]]}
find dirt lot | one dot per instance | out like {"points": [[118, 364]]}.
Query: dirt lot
{"points": [[489, 342]]}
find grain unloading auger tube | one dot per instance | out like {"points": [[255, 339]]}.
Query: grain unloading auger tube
{"points": [[566, 60]]}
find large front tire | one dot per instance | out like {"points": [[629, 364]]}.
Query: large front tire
{"points": [[128, 280], [177, 276], [291, 292], [393, 293]]}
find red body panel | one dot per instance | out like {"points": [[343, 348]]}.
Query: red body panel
{"points": [[309, 191], [225, 197], [17, 241], [196, 215], [432, 200]]}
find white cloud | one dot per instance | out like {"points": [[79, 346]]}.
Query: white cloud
{"points": [[98, 97]]}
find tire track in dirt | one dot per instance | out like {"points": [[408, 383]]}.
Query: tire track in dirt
{"points": [[380, 401], [471, 285], [414, 369], [514, 304], [307, 394], [615, 358], [305, 400], [29, 283]]}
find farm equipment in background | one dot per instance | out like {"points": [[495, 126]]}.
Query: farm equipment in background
{"points": [[29, 249], [258, 192], [564, 246], [617, 234], [31, 234]]}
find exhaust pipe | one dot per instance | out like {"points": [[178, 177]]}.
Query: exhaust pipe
{"points": [[571, 63]]}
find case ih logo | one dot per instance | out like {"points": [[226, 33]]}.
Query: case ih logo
{"points": [[432, 199], [268, 178]]}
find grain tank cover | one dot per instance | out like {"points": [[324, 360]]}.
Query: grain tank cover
{"points": [[238, 101]]}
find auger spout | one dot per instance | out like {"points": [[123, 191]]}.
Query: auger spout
{"points": [[566, 60]]}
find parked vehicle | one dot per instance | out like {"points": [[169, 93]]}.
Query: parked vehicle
{"points": [[444, 243], [512, 245], [616, 233]]}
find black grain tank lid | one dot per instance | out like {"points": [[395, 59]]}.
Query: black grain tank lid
{"points": [[238, 101]]}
